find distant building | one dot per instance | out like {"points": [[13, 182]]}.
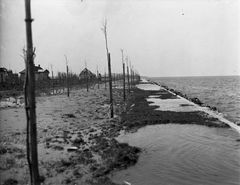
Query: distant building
{"points": [[7, 76], [86, 74], [3, 74], [40, 75], [12, 77]]}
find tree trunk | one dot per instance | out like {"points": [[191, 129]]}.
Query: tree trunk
{"points": [[110, 84], [31, 110], [124, 94], [67, 83], [128, 79]]}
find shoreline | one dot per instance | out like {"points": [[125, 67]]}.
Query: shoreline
{"points": [[212, 111]]}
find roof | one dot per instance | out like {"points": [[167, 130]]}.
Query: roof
{"points": [[36, 68], [86, 70], [46, 71], [3, 69]]}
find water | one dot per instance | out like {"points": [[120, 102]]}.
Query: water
{"points": [[190, 154], [183, 154], [222, 92]]}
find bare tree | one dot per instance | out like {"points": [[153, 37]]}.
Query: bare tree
{"points": [[52, 79], [127, 58], [67, 76], [124, 95], [30, 105], [104, 29], [86, 74]]}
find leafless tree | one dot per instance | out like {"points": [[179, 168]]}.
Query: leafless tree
{"points": [[30, 105], [67, 75], [124, 94], [104, 29]]}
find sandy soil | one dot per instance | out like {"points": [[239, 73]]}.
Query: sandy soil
{"points": [[81, 121]]}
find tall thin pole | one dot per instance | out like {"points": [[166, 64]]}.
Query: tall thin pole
{"points": [[110, 84], [67, 76], [124, 94], [67, 82], [105, 79], [104, 29], [128, 75], [97, 77], [86, 72], [52, 80], [31, 106]]}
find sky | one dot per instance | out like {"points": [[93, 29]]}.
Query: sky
{"points": [[160, 37]]}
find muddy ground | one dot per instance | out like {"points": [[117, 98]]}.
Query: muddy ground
{"points": [[82, 121], [76, 142]]}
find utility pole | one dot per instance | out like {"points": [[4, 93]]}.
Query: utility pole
{"points": [[30, 105]]}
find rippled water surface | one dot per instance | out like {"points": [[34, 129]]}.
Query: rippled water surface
{"points": [[183, 154], [222, 92]]}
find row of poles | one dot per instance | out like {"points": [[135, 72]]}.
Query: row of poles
{"points": [[29, 94]]}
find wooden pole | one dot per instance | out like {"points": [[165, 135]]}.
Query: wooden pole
{"points": [[97, 77], [52, 80], [105, 80], [110, 84], [130, 70], [124, 94], [67, 82], [128, 78], [31, 106], [104, 29]]}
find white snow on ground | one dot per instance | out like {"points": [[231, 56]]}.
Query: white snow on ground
{"points": [[143, 80], [149, 87], [180, 105], [177, 105]]}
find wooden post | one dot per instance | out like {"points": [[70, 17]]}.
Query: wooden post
{"points": [[30, 104], [97, 77], [104, 29], [86, 74], [67, 82], [105, 80], [110, 84], [52, 80], [124, 94], [87, 80], [128, 79]]}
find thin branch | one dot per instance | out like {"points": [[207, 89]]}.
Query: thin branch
{"points": [[66, 60], [104, 29]]}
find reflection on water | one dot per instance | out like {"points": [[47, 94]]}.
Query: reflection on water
{"points": [[183, 154]]}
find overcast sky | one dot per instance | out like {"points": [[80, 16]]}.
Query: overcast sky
{"points": [[162, 37]]}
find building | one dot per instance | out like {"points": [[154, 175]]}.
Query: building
{"points": [[40, 74], [12, 77], [86, 74], [3, 74], [7, 76]]}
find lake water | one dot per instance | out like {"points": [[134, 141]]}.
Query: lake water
{"points": [[222, 92], [183, 154], [190, 154]]}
